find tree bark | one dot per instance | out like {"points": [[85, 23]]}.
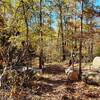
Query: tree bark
{"points": [[62, 35], [41, 59], [27, 30], [80, 46], [90, 48]]}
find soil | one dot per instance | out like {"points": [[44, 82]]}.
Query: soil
{"points": [[54, 85]]}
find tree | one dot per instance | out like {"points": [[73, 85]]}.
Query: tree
{"points": [[41, 59], [62, 32], [27, 29], [80, 46]]}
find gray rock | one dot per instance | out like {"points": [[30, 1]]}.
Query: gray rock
{"points": [[91, 77]]}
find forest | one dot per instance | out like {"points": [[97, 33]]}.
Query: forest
{"points": [[49, 50]]}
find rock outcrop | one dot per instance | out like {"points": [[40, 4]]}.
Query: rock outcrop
{"points": [[91, 77], [96, 62]]}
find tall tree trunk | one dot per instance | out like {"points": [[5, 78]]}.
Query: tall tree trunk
{"points": [[62, 35], [41, 58], [80, 46], [75, 28], [27, 29], [90, 47], [74, 42]]}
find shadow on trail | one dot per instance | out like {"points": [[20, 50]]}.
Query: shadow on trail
{"points": [[43, 88], [53, 69], [47, 85], [57, 82]]}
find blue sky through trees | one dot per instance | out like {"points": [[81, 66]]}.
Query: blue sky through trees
{"points": [[54, 14], [96, 3]]}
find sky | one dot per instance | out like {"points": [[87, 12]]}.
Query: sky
{"points": [[54, 16], [97, 3]]}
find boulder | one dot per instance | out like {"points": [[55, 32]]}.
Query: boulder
{"points": [[96, 62], [91, 77]]}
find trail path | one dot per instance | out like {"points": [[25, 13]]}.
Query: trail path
{"points": [[53, 85]]}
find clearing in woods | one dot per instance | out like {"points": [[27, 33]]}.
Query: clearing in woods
{"points": [[53, 85]]}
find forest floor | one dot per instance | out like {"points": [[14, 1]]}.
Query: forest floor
{"points": [[53, 85]]}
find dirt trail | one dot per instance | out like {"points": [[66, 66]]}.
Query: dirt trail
{"points": [[53, 85]]}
